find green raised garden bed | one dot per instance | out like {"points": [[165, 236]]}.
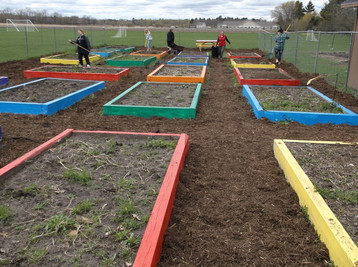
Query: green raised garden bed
{"points": [[130, 61], [147, 99]]}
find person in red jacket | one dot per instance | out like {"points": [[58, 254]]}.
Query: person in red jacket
{"points": [[221, 43]]}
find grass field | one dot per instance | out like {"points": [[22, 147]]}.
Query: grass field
{"points": [[22, 45]]}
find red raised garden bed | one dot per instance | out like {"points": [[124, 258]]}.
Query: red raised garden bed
{"points": [[265, 77], [71, 72]]}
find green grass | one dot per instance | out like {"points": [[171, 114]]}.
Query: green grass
{"points": [[48, 41], [5, 213]]}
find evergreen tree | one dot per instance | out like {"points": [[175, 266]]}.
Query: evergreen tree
{"points": [[309, 8], [334, 18], [299, 10]]}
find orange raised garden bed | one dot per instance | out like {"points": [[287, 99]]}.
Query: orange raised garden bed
{"points": [[157, 54]]}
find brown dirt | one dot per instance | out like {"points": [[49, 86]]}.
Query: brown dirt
{"points": [[233, 205], [252, 73], [58, 68], [176, 70]]}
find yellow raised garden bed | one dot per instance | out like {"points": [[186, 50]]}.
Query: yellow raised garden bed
{"points": [[235, 62], [342, 249], [67, 59]]}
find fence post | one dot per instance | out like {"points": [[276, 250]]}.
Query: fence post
{"points": [[104, 35], [54, 34], [349, 60], [91, 37], [317, 52], [298, 36], [27, 43]]}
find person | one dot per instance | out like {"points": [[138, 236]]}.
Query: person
{"points": [[170, 40], [148, 39], [83, 47], [221, 43], [280, 44]]}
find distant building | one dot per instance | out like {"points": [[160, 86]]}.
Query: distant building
{"points": [[248, 25], [237, 24], [353, 65]]}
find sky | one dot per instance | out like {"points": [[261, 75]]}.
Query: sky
{"points": [[149, 9]]}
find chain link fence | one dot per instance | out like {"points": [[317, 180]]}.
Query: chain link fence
{"points": [[323, 53], [53, 39]]}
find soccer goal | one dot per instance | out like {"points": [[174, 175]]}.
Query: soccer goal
{"points": [[310, 36], [122, 32], [20, 25]]}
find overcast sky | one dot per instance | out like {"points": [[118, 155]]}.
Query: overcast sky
{"points": [[182, 9]]}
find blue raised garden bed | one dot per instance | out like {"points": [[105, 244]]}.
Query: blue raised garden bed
{"points": [[3, 81], [49, 107], [196, 61], [103, 53], [152, 103], [308, 118]]}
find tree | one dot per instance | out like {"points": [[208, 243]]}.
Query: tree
{"points": [[299, 10], [309, 7], [334, 18], [287, 13], [309, 21]]}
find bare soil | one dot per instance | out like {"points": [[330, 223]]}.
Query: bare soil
{"points": [[252, 60], [71, 69], [159, 94], [179, 70], [233, 204], [145, 52], [271, 74], [244, 54], [189, 59]]}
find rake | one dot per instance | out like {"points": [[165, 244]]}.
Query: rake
{"points": [[72, 42]]}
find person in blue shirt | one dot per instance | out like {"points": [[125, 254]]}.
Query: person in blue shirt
{"points": [[280, 44]]}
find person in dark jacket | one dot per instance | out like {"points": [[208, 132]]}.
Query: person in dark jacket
{"points": [[170, 40], [83, 47], [221, 43]]}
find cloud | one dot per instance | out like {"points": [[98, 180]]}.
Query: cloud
{"points": [[148, 9]]}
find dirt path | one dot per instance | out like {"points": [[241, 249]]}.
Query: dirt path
{"points": [[233, 205]]}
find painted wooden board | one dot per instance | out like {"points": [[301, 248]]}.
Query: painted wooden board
{"points": [[343, 251]]}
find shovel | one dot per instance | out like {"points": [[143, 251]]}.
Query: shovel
{"points": [[271, 54]]}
